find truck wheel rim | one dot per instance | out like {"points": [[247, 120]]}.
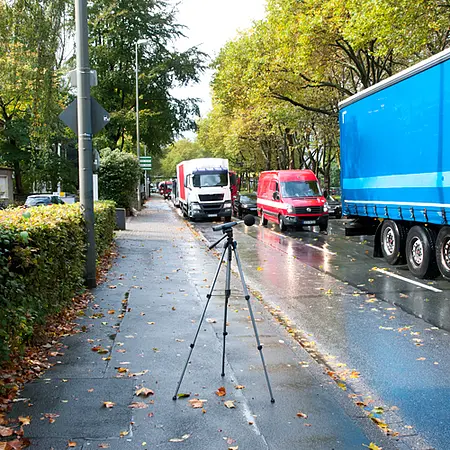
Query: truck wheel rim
{"points": [[389, 241], [446, 253], [417, 252]]}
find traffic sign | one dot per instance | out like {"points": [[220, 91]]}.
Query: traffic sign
{"points": [[100, 117]]}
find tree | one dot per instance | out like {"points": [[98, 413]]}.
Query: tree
{"points": [[181, 150], [115, 26], [30, 94]]}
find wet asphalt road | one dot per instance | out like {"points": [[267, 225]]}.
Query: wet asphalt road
{"points": [[379, 330]]}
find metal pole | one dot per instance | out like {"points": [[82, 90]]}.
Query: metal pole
{"points": [[138, 149], [85, 136]]}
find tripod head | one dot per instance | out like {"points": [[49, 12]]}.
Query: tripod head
{"points": [[227, 228], [249, 220]]}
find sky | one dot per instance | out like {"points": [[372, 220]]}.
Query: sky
{"points": [[210, 24]]}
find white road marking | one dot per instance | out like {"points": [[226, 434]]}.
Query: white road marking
{"points": [[390, 274], [321, 249]]}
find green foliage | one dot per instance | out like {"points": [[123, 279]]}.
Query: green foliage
{"points": [[181, 150], [41, 266], [118, 177], [31, 39], [42, 258], [105, 223], [277, 86], [115, 27]]}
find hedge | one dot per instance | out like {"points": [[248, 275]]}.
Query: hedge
{"points": [[42, 258]]}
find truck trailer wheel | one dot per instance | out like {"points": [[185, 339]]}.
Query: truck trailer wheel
{"points": [[420, 252], [443, 252], [393, 240]]}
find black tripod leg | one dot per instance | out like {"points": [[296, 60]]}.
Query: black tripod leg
{"points": [[227, 297], [201, 321], [247, 297]]}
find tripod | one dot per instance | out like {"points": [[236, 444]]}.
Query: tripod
{"points": [[228, 250]]}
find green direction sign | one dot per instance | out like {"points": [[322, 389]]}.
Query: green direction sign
{"points": [[145, 162]]}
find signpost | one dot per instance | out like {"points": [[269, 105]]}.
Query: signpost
{"points": [[146, 164], [85, 117]]}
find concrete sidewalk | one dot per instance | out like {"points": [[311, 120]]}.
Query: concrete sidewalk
{"points": [[137, 334]]}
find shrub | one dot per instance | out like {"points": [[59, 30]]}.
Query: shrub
{"points": [[42, 259], [105, 223], [118, 177]]}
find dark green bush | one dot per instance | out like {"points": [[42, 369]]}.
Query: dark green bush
{"points": [[118, 177], [42, 258]]}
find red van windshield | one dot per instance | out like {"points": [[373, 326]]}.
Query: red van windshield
{"points": [[295, 189]]}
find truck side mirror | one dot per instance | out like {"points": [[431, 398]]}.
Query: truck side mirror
{"points": [[276, 195]]}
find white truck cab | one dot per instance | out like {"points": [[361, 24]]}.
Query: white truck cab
{"points": [[204, 188]]}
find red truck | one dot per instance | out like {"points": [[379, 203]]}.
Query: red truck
{"points": [[292, 198]]}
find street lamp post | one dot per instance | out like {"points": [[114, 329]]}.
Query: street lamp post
{"points": [[138, 147]]}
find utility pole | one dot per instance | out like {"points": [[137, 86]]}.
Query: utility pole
{"points": [[85, 156], [138, 148]]}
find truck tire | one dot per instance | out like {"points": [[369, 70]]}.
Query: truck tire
{"points": [[393, 242], [263, 219], [420, 252], [443, 252], [283, 226]]}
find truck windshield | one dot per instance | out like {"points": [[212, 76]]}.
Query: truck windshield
{"points": [[294, 189], [210, 179]]}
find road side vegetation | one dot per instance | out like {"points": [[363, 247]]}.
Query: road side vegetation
{"points": [[36, 53], [42, 257], [277, 86]]}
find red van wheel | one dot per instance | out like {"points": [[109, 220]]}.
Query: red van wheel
{"points": [[263, 219], [283, 226]]}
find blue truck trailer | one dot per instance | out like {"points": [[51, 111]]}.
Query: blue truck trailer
{"points": [[395, 166]]}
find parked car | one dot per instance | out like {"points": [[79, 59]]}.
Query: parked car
{"points": [[43, 200], [245, 203], [334, 207], [291, 198]]}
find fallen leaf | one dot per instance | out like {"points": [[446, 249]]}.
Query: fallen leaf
{"points": [[230, 404], [221, 392], [103, 445], [234, 448], [145, 392], [181, 439], [51, 417], [138, 405], [111, 311], [211, 320], [173, 308], [302, 415], [5, 431], [25, 420], [122, 370], [124, 433], [71, 444], [239, 386], [197, 403], [354, 374], [259, 269], [112, 287], [183, 395], [109, 404]]}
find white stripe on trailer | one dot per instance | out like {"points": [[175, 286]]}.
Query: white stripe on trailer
{"points": [[321, 249], [381, 202], [390, 274]]}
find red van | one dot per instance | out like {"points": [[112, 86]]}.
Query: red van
{"points": [[291, 198]]}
